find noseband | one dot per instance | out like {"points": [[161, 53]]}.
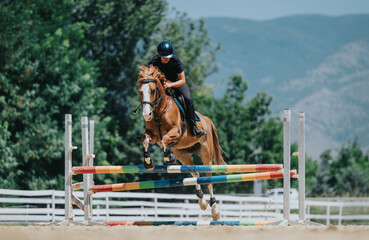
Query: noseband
{"points": [[157, 98]]}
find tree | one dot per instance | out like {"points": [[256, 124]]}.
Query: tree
{"points": [[42, 77], [343, 175], [118, 33]]}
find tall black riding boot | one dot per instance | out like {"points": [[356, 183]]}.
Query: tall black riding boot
{"points": [[192, 120]]}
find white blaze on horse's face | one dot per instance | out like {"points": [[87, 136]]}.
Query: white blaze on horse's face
{"points": [[146, 109]]}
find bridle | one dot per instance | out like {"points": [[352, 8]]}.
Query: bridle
{"points": [[156, 103], [157, 98]]}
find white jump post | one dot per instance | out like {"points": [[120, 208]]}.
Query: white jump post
{"points": [[68, 148], [301, 167], [286, 166], [90, 158], [87, 160]]}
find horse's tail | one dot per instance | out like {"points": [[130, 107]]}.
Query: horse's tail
{"points": [[218, 158]]}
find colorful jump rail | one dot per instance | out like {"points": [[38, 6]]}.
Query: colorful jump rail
{"points": [[189, 181], [188, 223], [179, 169]]}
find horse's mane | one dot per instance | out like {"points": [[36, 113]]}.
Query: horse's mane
{"points": [[151, 72]]}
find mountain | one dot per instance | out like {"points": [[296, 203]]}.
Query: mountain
{"points": [[311, 63]]}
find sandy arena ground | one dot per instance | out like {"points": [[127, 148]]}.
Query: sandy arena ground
{"points": [[184, 232]]}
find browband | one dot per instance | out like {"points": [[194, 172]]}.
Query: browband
{"points": [[147, 81]]}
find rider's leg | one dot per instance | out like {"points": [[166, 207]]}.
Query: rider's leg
{"points": [[185, 91]]}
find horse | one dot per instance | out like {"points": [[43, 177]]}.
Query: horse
{"points": [[164, 126]]}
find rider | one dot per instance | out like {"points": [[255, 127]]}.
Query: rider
{"points": [[173, 69]]}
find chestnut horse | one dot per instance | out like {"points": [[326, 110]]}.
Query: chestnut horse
{"points": [[164, 121]]}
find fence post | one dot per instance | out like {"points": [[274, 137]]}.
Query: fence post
{"points": [[107, 206], [340, 218], [53, 205], [186, 207], [286, 164], [240, 206], [328, 213], [301, 163], [48, 211], [308, 211], [156, 206]]}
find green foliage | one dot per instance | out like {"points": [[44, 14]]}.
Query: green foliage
{"points": [[8, 172], [343, 175], [311, 171], [42, 77]]}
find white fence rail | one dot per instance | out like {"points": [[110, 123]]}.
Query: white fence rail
{"points": [[18, 206]]}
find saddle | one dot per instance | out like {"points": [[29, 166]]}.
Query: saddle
{"points": [[179, 99]]}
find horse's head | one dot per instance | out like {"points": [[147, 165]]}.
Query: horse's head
{"points": [[151, 90]]}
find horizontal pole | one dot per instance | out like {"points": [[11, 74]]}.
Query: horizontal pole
{"points": [[188, 223], [77, 186], [179, 169], [189, 181]]}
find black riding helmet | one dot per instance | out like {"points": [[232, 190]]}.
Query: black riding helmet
{"points": [[165, 49]]}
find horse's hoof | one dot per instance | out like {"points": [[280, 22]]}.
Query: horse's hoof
{"points": [[200, 198], [215, 212], [202, 203], [172, 159], [149, 166]]}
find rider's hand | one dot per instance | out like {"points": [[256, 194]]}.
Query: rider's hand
{"points": [[167, 85]]}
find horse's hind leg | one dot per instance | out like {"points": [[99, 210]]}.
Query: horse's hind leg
{"points": [[200, 194], [184, 156], [214, 210]]}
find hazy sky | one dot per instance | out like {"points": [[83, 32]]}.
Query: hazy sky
{"points": [[268, 9]]}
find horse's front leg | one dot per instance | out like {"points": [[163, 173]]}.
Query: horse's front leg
{"points": [[171, 137], [148, 162]]}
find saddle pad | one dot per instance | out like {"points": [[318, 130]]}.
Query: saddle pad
{"points": [[181, 109]]}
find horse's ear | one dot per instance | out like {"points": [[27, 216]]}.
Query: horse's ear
{"points": [[162, 77], [142, 68], [154, 68]]}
